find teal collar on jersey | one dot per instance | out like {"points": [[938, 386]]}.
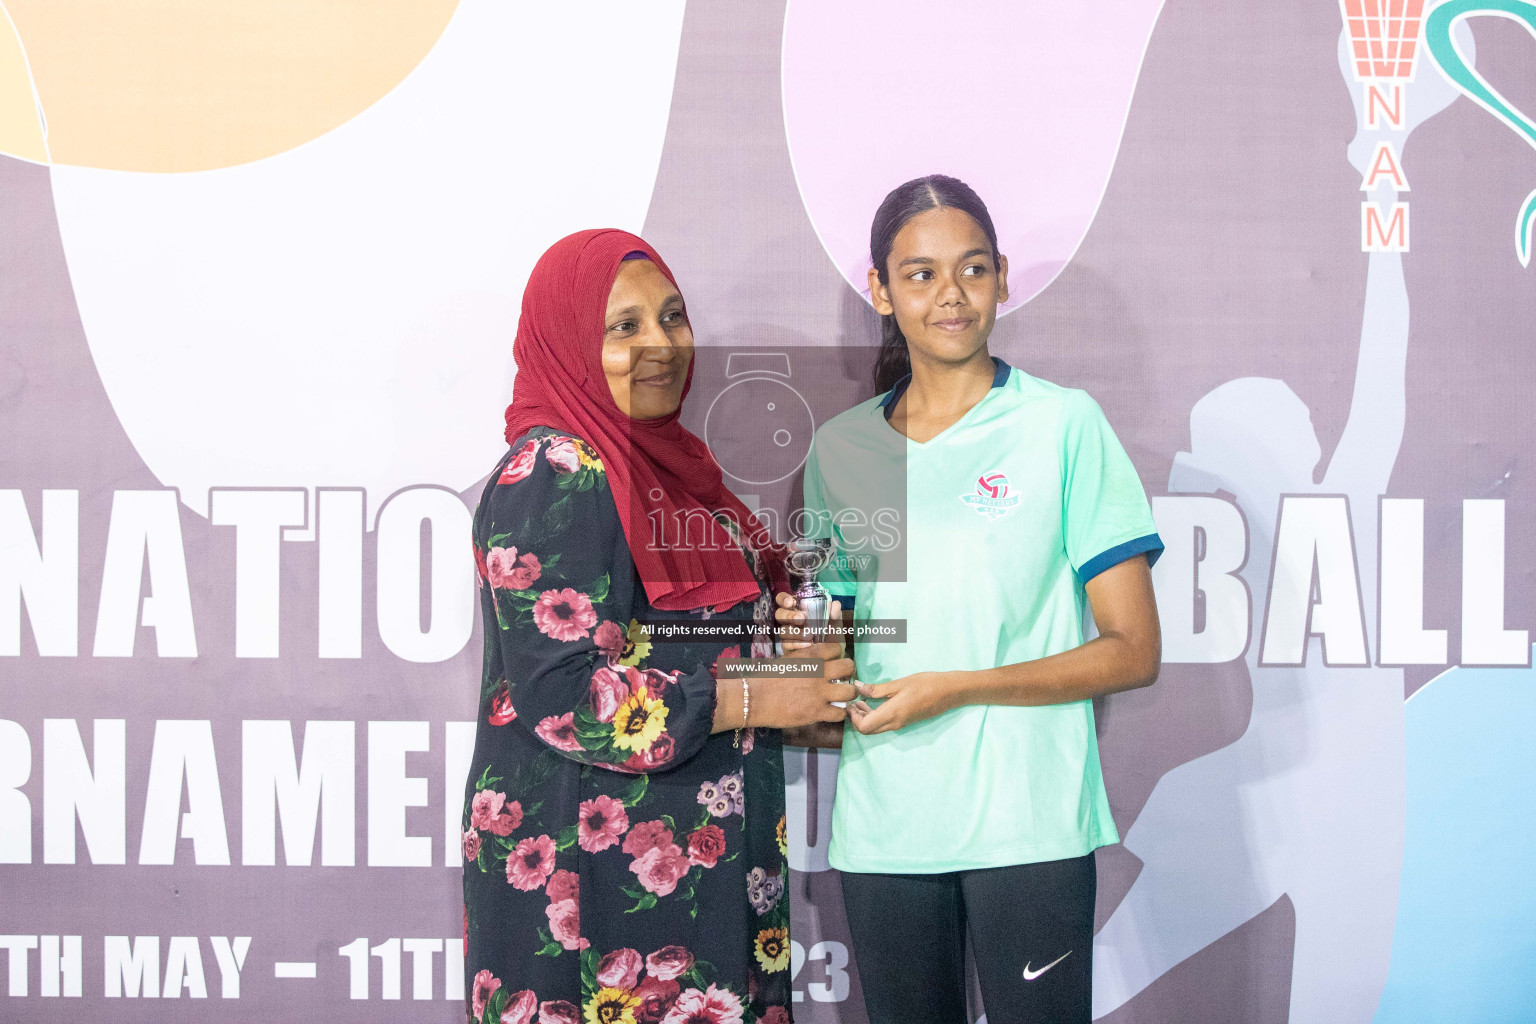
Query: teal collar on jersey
{"points": [[888, 403]]}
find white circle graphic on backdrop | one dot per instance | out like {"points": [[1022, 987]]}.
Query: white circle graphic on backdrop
{"points": [[342, 314]]}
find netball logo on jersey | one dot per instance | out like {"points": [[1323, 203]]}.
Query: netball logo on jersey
{"points": [[991, 498]]}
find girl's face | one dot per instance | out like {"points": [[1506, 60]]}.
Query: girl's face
{"points": [[944, 288], [647, 342]]}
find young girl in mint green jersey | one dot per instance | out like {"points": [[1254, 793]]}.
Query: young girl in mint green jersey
{"points": [[969, 796]]}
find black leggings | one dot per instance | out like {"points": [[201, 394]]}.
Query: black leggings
{"points": [[1031, 931]]}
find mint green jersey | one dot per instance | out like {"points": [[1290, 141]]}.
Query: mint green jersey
{"points": [[1007, 514]]}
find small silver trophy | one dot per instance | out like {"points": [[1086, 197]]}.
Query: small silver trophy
{"points": [[807, 557]]}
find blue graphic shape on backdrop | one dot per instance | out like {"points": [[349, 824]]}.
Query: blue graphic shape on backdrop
{"points": [[1465, 944]]}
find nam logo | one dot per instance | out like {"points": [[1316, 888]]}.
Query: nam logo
{"points": [[991, 498], [1383, 45]]}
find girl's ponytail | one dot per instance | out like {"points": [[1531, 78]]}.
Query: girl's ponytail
{"points": [[893, 362]]}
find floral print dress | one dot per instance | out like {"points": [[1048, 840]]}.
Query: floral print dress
{"points": [[621, 864]]}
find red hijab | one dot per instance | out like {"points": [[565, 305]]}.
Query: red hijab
{"points": [[653, 466]]}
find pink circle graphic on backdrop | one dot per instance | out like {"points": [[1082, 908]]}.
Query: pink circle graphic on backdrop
{"points": [[1025, 102]]}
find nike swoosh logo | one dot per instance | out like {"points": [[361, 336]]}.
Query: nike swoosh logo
{"points": [[1030, 975]]}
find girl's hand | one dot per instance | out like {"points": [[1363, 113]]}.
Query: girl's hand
{"points": [[787, 614], [909, 699]]}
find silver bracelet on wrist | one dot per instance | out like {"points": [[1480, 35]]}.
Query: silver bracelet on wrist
{"points": [[746, 708]]}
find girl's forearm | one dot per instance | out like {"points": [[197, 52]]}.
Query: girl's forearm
{"points": [[1108, 663]]}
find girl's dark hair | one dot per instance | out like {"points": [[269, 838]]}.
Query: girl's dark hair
{"points": [[932, 192]]}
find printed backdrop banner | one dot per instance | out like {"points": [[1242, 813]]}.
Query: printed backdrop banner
{"points": [[260, 276]]}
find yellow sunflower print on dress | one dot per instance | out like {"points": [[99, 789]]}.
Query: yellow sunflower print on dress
{"points": [[772, 949], [637, 644], [639, 721], [612, 1006]]}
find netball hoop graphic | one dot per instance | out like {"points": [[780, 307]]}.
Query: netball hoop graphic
{"points": [[759, 427], [1383, 37]]}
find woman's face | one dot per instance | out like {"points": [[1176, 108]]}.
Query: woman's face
{"points": [[647, 343], [944, 288]]}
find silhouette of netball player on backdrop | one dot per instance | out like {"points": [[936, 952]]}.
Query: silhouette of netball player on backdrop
{"points": [[1309, 801]]}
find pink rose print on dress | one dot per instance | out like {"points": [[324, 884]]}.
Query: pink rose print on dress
{"points": [[609, 638], [471, 844], [669, 962], [486, 805], [620, 969], [711, 1006], [499, 563], [489, 810], [657, 755], [706, 845], [608, 691], [564, 614], [559, 1011], [646, 836], [485, 984], [531, 863], [565, 924], [562, 455], [521, 464], [527, 572], [507, 570], [563, 885], [661, 868], [659, 682], [480, 570], [656, 999], [559, 731], [599, 824], [510, 817], [520, 1007], [502, 710], [774, 1015]]}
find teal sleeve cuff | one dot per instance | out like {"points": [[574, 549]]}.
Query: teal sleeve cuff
{"points": [[1151, 545]]}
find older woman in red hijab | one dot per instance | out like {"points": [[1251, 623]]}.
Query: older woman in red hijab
{"points": [[624, 834]]}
